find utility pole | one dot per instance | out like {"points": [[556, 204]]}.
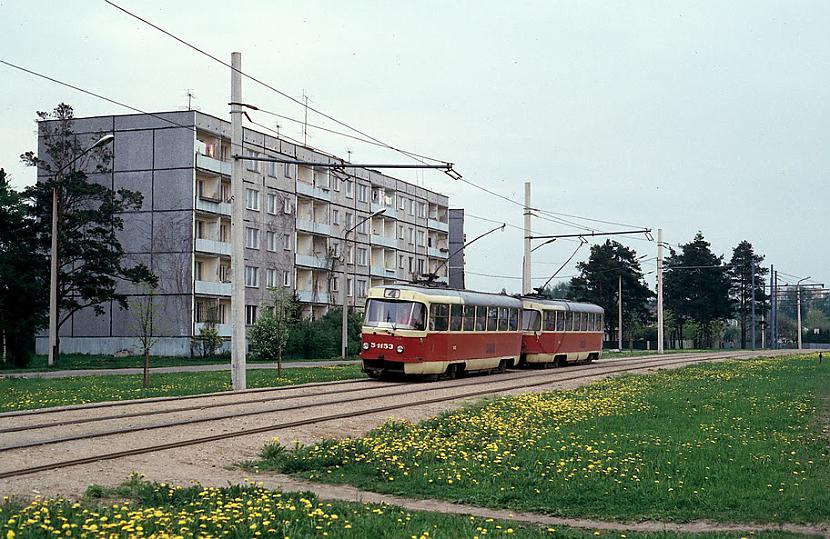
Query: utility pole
{"points": [[752, 266], [239, 337], [798, 302], [773, 335], [660, 291], [619, 312], [527, 286]]}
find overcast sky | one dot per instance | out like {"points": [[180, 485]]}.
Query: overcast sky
{"points": [[688, 116]]}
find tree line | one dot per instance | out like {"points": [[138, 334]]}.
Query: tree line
{"points": [[701, 291]]}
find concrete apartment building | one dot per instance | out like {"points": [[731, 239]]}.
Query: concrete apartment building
{"points": [[295, 218]]}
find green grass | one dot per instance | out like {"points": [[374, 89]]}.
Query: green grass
{"points": [[733, 441], [146, 509], [27, 393], [94, 361]]}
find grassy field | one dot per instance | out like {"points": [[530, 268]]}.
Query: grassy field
{"points": [[92, 361], [733, 441], [146, 510], [26, 393]]}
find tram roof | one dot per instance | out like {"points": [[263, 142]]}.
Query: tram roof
{"points": [[563, 305], [452, 295]]}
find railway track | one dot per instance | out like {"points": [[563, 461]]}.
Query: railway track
{"points": [[415, 395]]}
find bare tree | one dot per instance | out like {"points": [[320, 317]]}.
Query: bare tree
{"points": [[144, 322]]}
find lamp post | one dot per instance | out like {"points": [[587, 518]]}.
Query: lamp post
{"points": [[344, 338], [798, 311], [53, 270]]}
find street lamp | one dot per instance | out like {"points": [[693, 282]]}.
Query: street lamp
{"points": [[798, 313], [344, 339], [53, 271]]}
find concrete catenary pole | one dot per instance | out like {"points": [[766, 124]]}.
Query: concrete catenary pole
{"points": [[527, 287], [773, 334], [798, 321], [619, 312], [752, 265], [660, 337], [53, 283], [239, 337]]}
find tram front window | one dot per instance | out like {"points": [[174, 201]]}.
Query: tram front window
{"points": [[395, 314]]}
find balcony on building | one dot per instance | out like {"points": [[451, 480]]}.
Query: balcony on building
{"points": [[312, 285], [383, 263], [438, 217], [213, 154], [213, 312], [313, 251], [384, 199], [212, 288], [213, 194], [437, 244], [313, 216], [314, 182], [383, 231]]}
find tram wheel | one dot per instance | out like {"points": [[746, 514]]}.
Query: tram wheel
{"points": [[502, 368]]}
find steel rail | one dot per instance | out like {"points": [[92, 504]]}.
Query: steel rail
{"points": [[321, 419], [126, 430]]}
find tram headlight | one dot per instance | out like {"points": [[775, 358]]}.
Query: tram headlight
{"points": [[399, 349], [365, 346]]}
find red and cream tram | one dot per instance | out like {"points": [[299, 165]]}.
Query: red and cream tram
{"points": [[556, 332], [412, 330]]}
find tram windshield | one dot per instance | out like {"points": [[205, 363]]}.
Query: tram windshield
{"points": [[395, 314]]}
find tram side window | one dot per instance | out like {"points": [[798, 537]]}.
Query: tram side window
{"points": [[503, 318], [469, 317], [513, 321], [583, 321], [455, 317], [550, 320], [439, 317], [492, 319], [531, 320], [481, 318], [569, 321], [560, 321], [591, 321]]}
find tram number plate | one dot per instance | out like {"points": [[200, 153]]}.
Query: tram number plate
{"points": [[381, 346]]}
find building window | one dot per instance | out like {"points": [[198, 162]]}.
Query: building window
{"points": [[252, 199], [335, 217], [271, 278], [362, 227], [421, 240], [286, 242], [411, 264], [401, 234], [412, 207], [272, 168], [271, 241], [251, 165], [336, 184], [410, 235], [349, 189], [251, 277], [250, 314], [361, 288], [335, 247], [350, 287], [286, 206], [350, 254], [334, 284], [401, 261], [286, 278], [251, 238], [200, 229], [224, 231], [402, 203], [361, 256], [224, 273], [422, 210], [362, 192], [271, 206], [421, 269], [287, 170], [349, 218], [198, 271]]}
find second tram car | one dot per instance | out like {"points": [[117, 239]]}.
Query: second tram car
{"points": [[556, 332], [413, 330]]}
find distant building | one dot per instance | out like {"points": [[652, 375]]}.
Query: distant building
{"points": [[294, 225], [457, 240]]}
